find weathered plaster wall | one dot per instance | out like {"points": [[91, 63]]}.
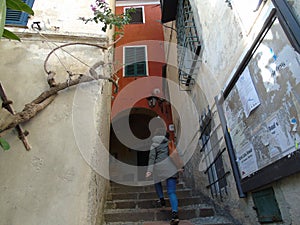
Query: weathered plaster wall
{"points": [[63, 178], [226, 37], [223, 48], [63, 16], [52, 183]]}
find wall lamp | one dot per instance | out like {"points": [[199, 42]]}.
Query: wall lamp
{"points": [[153, 98], [152, 101]]}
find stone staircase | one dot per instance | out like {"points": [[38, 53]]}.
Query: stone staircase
{"points": [[137, 205]]}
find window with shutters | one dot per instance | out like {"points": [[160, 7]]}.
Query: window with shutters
{"points": [[137, 16], [135, 61], [17, 18]]}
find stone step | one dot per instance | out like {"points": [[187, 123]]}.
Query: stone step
{"points": [[147, 195], [196, 221], [120, 188], [182, 222], [137, 205], [163, 214], [150, 203], [214, 220]]}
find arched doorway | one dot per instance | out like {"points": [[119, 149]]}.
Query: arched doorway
{"points": [[130, 141]]}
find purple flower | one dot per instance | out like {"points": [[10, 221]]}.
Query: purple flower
{"points": [[93, 8]]}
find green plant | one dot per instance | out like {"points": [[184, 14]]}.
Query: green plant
{"points": [[104, 14], [4, 144], [18, 5]]}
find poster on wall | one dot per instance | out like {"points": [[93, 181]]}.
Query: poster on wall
{"points": [[279, 143], [246, 159], [247, 92], [262, 109]]}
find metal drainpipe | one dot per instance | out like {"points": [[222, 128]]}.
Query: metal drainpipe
{"points": [[234, 166]]}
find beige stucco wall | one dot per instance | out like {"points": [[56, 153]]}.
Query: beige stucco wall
{"points": [[63, 17], [226, 37], [63, 178]]}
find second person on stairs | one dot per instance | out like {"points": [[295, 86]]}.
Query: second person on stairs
{"points": [[161, 167]]}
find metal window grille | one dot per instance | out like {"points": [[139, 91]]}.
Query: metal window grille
{"points": [[188, 44], [18, 18], [213, 157]]}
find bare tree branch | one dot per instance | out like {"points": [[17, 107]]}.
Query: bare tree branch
{"points": [[8, 120]]}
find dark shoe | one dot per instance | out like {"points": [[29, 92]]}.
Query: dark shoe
{"points": [[175, 219], [162, 202]]}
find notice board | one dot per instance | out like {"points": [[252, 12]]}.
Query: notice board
{"points": [[262, 106]]}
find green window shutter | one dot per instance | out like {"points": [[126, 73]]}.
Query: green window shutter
{"points": [[18, 18], [140, 65], [130, 70], [141, 69], [266, 206], [135, 61]]}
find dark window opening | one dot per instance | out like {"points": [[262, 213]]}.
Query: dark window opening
{"points": [[137, 16]]}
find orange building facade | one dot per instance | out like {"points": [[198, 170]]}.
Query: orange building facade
{"points": [[140, 106]]}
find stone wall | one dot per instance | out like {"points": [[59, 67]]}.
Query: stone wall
{"points": [[226, 35], [63, 179], [52, 183]]}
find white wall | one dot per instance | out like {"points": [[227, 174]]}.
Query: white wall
{"points": [[58, 181], [226, 35]]}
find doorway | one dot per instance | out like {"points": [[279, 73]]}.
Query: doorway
{"points": [[130, 141]]}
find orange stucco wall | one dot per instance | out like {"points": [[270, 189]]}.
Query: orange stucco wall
{"points": [[150, 30], [150, 34]]}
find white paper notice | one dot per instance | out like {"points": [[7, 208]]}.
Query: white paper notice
{"points": [[279, 142], [247, 160], [247, 92]]}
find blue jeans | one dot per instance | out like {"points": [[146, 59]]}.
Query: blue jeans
{"points": [[171, 190]]}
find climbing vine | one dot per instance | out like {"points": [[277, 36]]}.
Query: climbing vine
{"points": [[104, 14]]}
